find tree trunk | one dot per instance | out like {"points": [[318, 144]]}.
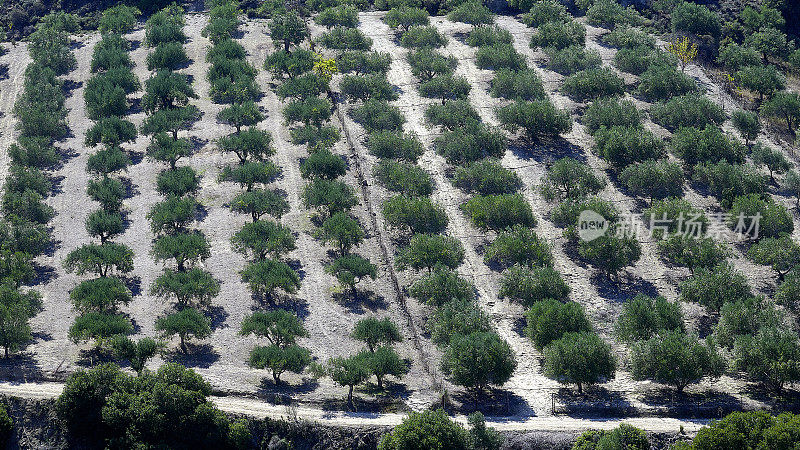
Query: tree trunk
{"points": [[580, 388], [380, 381], [350, 398], [6, 351], [183, 344], [277, 377]]}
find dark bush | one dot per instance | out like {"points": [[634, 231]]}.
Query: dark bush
{"points": [[559, 35], [643, 317], [375, 115], [427, 63], [728, 181], [549, 319], [708, 145], [423, 37], [442, 286], [662, 82], [488, 36], [426, 251], [529, 286], [499, 56], [394, 145], [622, 146], [365, 87], [486, 177], [691, 110], [404, 178], [460, 147], [518, 245], [518, 85], [539, 119], [653, 179], [594, 83], [416, 215], [570, 60], [611, 112]]}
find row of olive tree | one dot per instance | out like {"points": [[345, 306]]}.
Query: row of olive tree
{"points": [[98, 299], [41, 121], [263, 241]]}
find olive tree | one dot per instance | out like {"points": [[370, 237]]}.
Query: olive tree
{"points": [[580, 358], [186, 323], [478, 360]]}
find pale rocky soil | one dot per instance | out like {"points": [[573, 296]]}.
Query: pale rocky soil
{"points": [[221, 358]]}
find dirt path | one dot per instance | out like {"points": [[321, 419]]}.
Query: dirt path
{"points": [[259, 409]]}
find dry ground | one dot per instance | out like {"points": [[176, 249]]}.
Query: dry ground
{"points": [[327, 315]]}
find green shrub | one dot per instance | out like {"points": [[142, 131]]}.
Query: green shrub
{"points": [[315, 138], [427, 63], [287, 28], [394, 145], [678, 213], [747, 124], [404, 178], [622, 146], [769, 42], [629, 37], [340, 38], [518, 245], [486, 177], [775, 348], [567, 212], [457, 317], [323, 164], [593, 83], [728, 181], [784, 106], [568, 178], [498, 212], [781, 253], [517, 85], [441, 286], [546, 11], [453, 115], [611, 254], [423, 36], [342, 15], [539, 119], [488, 36], [774, 217], [343, 231], [329, 196], [362, 63], [365, 87], [375, 115], [167, 56], [653, 179], [610, 14], [264, 277], [611, 112], [695, 19], [110, 52], [478, 360], [311, 111], [302, 87], [177, 182], [693, 252], [34, 152], [404, 17], [284, 63], [734, 57], [713, 287], [118, 19], [109, 192], [636, 60], [572, 59], [548, 320], [529, 286], [763, 80], [744, 318], [691, 110], [643, 317], [415, 215], [426, 251], [580, 358], [472, 12], [662, 82], [499, 56], [559, 35], [459, 147], [428, 429], [708, 145], [350, 270], [445, 87]]}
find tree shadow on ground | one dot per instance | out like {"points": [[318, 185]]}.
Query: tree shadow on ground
{"points": [[360, 301], [268, 388], [296, 305], [69, 86], [217, 316], [390, 390], [94, 356], [787, 399], [131, 190], [692, 404], [56, 186], [546, 152], [519, 325], [594, 401], [363, 406], [494, 402], [628, 286], [43, 274], [198, 356], [133, 283], [20, 367]]}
